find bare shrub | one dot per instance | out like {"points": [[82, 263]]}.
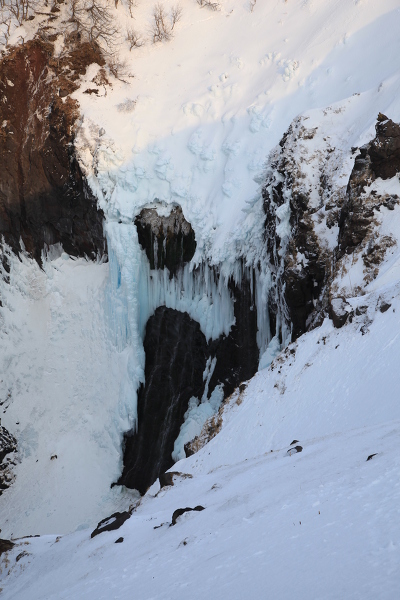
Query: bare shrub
{"points": [[209, 4], [134, 39], [161, 29], [176, 15], [12, 14], [163, 24], [131, 5], [93, 20], [119, 68]]}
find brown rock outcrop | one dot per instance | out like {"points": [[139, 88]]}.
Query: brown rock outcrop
{"points": [[43, 196]]}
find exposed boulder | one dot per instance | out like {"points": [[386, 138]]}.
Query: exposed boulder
{"points": [[111, 523], [339, 311], [5, 546], [169, 241], [180, 511]]}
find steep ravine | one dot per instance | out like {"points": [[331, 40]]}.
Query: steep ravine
{"points": [[177, 352], [45, 201]]}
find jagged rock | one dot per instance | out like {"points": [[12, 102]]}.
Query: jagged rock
{"points": [[379, 158], [180, 511], [384, 150], [111, 523], [44, 198], [169, 241], [295, 450], [237, 353], [167, 479], [339, 311], [384, 306], [298, 265], [6, 545], [8, 445], [371, 456], [176, 354]]}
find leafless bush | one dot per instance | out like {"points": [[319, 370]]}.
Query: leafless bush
{"points": [[93, 20], [12, 14], [119, 68], [131, 5], [163, 24], [134, 39], [209, 4], [176, 15], [161, 30], [252, 5]]}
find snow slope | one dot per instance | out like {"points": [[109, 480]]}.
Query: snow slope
{"points": [[323, 523], [56, 397]]}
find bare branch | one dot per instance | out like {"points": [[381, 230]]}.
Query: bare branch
{"points": [[134, 39], [176, 15]]}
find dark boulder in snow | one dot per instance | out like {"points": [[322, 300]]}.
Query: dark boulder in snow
{"points": [[180, 511], [371, 456], [6, 545], [295, 450], [384, 306], [167, 479], [111, 523], [339, 311]]}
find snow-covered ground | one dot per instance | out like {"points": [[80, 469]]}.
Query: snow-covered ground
{"points": [[322, 523], [194, 126], [56, 397]]}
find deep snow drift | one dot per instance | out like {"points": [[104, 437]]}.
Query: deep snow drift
{"points": [[195, 126]]}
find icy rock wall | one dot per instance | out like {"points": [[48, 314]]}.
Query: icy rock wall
{"points": [[173, 321], [176, 352]]}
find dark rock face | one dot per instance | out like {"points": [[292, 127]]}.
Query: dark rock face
{"points": [[384, 150], [176, 354], [237, 354], [43, 196], [302, 270], [168, 241], [379, 158], [297, 289], [5, 546], [8, 445]]}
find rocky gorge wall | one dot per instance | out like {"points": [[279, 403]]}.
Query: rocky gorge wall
{"points": [[44, 199]]}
